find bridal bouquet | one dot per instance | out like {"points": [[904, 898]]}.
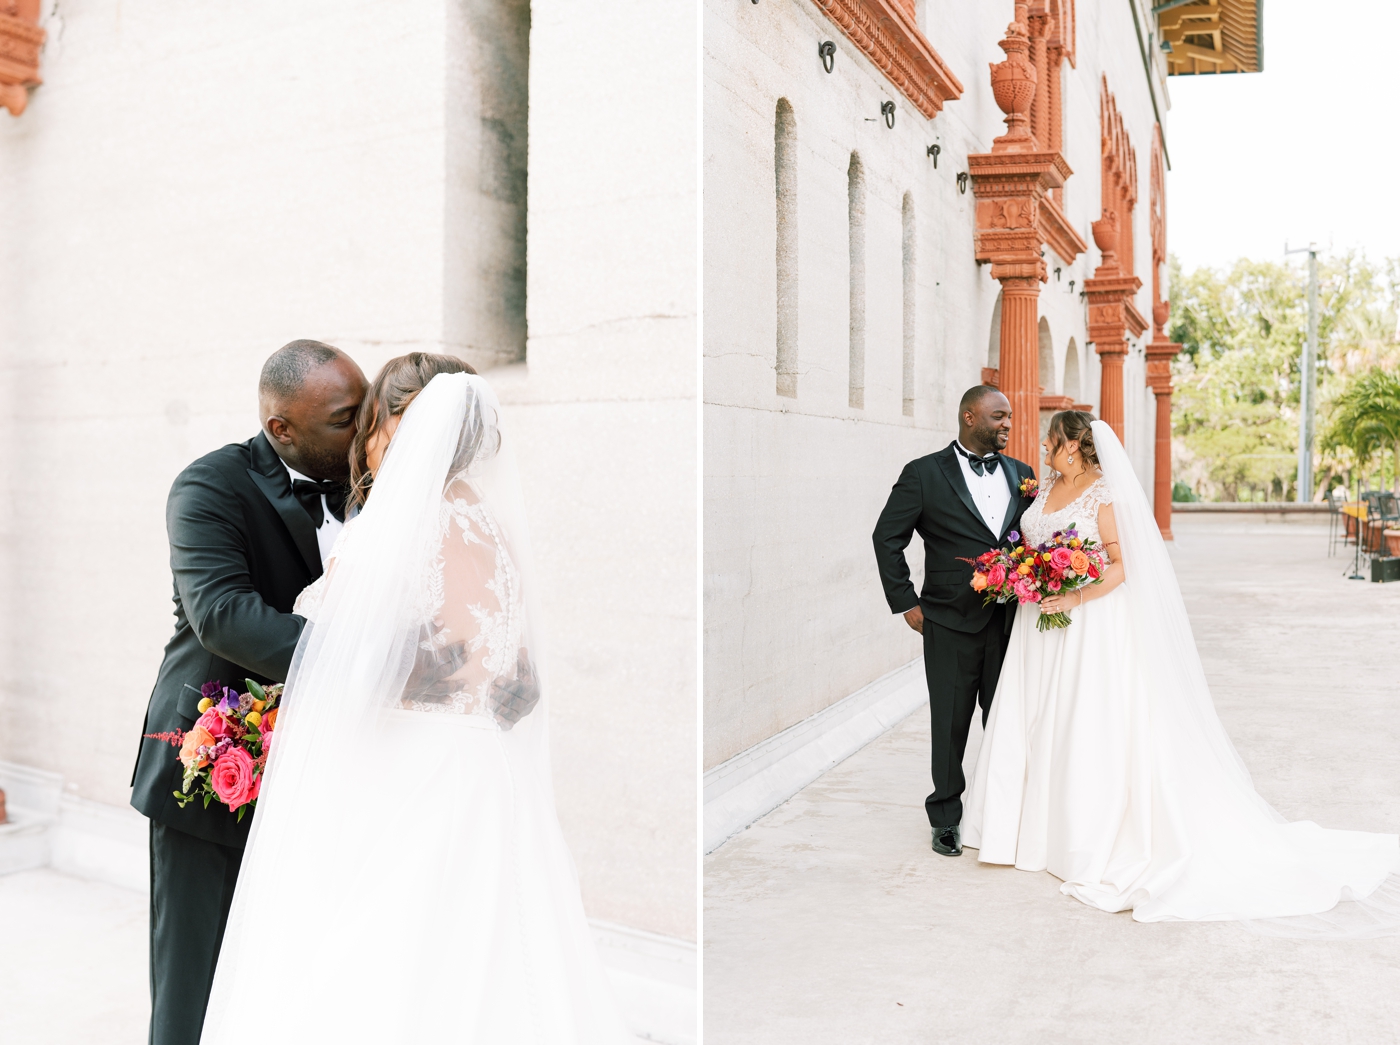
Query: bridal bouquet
{"points": [[225, 752], [1029, 573]]}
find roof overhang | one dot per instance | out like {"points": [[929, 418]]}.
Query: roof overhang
{"points": [[1211, 36]]}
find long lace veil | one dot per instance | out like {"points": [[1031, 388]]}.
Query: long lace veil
{"points": [[1215, 804], [418, 609]]}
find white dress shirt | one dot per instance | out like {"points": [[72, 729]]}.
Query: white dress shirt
{"points": [[330, 526], [989, 491]]}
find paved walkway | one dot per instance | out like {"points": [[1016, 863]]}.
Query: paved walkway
{"points": [[831, 921]]}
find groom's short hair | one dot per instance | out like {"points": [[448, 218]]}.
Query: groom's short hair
{"points": [[285, 370], [975, 395]]}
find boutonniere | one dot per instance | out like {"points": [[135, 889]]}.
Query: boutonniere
{"points": [[1029, 488]]}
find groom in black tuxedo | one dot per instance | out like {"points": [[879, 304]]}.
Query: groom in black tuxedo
{"points": [[248, 527], [962, 501]]}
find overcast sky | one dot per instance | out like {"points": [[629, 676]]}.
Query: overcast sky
{"points": [[1309, 149]]}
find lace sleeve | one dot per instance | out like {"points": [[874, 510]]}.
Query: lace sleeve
{"points": [[1099, 493], [475, 628]]}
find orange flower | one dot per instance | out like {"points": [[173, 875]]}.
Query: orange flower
{"points": [[269, 721], [979, 581], [1078, 561], [1023, 569], [195, 739]]}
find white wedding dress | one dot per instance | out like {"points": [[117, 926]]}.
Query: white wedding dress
{"points": [[405, 879], [1104, 762]]}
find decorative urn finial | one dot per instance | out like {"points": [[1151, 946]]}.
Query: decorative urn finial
{"points": [[1013, 86], [1106, 238]]}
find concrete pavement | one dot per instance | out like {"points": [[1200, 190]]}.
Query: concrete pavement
{"points": [[831, 921]]}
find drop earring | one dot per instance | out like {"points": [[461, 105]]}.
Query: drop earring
{"points": [[1071, 458]]}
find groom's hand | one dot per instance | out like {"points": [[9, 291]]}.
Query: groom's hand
{"points": [[915, 618], [430, 681], [513, 699]]}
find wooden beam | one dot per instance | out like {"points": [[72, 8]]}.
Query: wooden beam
{"points": [[1181, 52], [1177, 15]]}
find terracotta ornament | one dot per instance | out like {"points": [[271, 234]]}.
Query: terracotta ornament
{"points": [[20, 41], [1113, 317], [887, 32], [1160, 350], [1017, 215]]}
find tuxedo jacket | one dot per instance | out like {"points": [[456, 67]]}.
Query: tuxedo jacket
{"points": [[932, 499], [241, 549]]}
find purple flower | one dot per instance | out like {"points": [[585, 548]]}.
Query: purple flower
{"points": [[1013, 536], [210, 689]]}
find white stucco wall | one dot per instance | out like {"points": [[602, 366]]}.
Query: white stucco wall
{"points": [[193, 186], [609, 397], [794, 615]]}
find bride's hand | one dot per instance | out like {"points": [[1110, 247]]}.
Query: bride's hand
{"points": [[1062, 603]]}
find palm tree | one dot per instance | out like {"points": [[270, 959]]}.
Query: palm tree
{"points": [[1366, 418]]}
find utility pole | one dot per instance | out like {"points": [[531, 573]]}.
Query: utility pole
{"points": [[1307, 396]]}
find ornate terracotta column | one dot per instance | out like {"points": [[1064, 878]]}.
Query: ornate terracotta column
{"points": [[20, 40], [1016, 220], [1160, 353], [1113, 317]]}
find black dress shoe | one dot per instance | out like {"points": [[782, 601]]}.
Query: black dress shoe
{"points": [[947, 840]]}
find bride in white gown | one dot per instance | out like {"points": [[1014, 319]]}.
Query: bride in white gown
{"points": [[1103, 760], [406, 880]]}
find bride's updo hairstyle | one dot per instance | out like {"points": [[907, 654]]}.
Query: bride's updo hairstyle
{"points": [[1073, 426], [393, 389]]}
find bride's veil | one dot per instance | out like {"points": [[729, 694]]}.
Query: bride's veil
{"points": [[1215, 804], [1158, 613], [370, 649]]}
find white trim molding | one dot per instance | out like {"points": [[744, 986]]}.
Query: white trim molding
{"points": [[760, 779]]}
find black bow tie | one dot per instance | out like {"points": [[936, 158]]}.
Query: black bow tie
{"points": [[981, 465], [309, 492]]}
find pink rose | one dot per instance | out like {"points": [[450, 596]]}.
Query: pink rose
{"points": [[215, 723], [232, 778], [1054, 585], [1060, 558], [996, 576], [1023, 590]]}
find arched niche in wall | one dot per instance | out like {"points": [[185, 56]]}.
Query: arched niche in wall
{"points": [[1045, 361], [785, 184], [1046, 357], [855, 213], [1073, 385], [907, 240]]}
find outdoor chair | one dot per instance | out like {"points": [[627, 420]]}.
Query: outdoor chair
{"points": [[1371, 530], [1387, 524], [1335, 523]]}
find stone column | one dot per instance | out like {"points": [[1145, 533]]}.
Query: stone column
{"points": [[1111, 317], [1038, 20], [1011, 183], [1054, 55], [1019, 370], [1160, 353]]}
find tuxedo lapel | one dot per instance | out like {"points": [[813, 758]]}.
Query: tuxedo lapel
{"points": [[1013, 481], [949, 463], [270, 477]]}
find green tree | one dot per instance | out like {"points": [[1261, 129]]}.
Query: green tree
{"points": [[1366, 419], [1236, 411]]}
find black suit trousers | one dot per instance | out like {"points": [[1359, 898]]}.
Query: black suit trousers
{"points": [[191, 891], [962, 670]]}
